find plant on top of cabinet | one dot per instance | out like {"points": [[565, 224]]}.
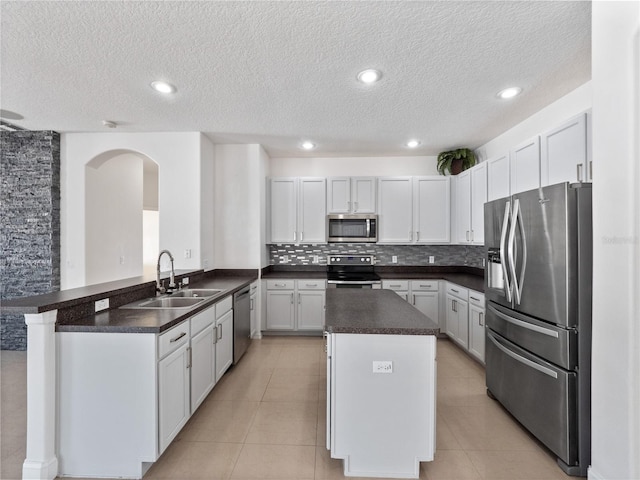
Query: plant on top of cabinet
{"points": [[456, 161]]}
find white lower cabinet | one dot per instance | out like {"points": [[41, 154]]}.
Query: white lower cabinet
{"points": [[295, 305], [224, 337], [203, 356], [476, 325], [465, 319], [457, 316], [422, 294], [174, 407]]}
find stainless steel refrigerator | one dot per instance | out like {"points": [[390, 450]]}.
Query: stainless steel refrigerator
{"points": [[538, 285]]}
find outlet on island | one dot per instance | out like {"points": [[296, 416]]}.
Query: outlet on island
{"points": [[394, 259]]}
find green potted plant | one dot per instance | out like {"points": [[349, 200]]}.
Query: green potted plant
{"points": [[456, 161]]}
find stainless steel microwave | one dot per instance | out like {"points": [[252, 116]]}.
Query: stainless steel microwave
{"points": [[355, 228]]}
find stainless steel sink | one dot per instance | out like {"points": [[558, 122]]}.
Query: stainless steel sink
{"points": [[196, 292], [167, 302]]}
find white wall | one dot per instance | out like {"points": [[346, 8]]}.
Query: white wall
{"points": [[179, 163], [616, 219], [239, 203], [113, 233], [352, 166], [207, 202], [552, 115]]}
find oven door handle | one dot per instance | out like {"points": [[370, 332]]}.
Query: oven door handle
{"points": [[353, 282]]}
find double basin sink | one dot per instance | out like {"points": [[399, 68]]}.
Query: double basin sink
{"points": [[186, 298]]}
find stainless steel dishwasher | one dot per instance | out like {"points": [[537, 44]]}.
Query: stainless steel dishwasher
{"points": [[241, 323]]}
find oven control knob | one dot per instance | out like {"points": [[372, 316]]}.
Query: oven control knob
{"points": [[363, 259]]}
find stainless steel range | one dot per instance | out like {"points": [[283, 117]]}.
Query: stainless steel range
{"points": [[352, 271]]}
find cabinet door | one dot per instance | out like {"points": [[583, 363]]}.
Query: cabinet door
{"points": [[476, 332], [311, 309], [525, 166], [284, 194], [363, 195], [395, 215], [224, 345], [462, 309], [173, 395], [451, 318], [478, 199], [432, 209], [463, 207], [312, 221], [203, 365], [498, 177], [280, 310], [338, 195], [427, 303], [564, 152]]}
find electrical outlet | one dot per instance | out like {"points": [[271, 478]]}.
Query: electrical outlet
{"points": [[285, 258], [102, 304], [315, 259], [394, 259], [483, 262], [382, 366], [185, 281], [187, 253], [432, 259], [121, 259]]}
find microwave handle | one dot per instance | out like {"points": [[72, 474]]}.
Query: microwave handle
{"points": [[368, 228]]}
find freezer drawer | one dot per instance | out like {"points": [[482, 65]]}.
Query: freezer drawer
{"points": [[539, 395], [554, 344]]}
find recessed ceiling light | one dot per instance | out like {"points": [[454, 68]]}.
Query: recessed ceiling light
{"points": [[109, 124], [308, 145], [163, 87], [369, 76], [413, 143], [509, 92]]}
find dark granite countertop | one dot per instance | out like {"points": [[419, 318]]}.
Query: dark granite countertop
{"points": [[361, 311], [126, 320], [468, 277]]}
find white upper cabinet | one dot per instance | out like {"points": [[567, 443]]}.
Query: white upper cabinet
{"points": [[312, 224], [525, 166], [470, 197], [298, 210], [351, 195], [498, 177], [565, 155], [432, 208], [395, 210]]}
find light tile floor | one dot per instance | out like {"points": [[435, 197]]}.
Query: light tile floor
{"points": [[266, 420]]}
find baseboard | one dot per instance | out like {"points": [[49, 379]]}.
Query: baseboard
{"points": [[593, 475]]}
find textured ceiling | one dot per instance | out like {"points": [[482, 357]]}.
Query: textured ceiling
{"points": [[277, 73]]}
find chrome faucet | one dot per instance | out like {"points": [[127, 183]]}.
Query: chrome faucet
{"points": [[172, 278]]}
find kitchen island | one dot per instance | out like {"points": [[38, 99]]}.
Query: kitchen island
{"points": [[381, 383]]}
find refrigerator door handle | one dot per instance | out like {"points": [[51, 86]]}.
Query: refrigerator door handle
{"points": [[521, 359], [526, 325], [503, 257], [515, 217]]}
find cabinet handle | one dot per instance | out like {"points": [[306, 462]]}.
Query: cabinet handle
{"points": [[395, 286], [189, 358], [481, 320], [455, 306], [219, 331], [301, 236], [251, 304], [474, 298], [454, 290], [178, 337], [467, 235], [355, 206], [311, 284], [349, 206], [410, 236], [299, 298], [215, 334], [295, 235], [591, 170], [472, 235], [280, 285], [414, 299], [292, 299], [417, 235], [579, 172]]}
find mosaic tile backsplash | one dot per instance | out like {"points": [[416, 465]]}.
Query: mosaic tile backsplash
{"points": [[409, 255]]}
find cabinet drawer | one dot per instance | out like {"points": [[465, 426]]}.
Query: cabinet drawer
{"points": [[223, 306], [424, 285], [317, 284], [172, 339], [476, 298], [396, 285], [280, 284], [202, 320], [457, 291]]}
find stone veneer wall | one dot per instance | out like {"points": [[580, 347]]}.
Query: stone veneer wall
{"points": [[29, 223], [410, 255]]}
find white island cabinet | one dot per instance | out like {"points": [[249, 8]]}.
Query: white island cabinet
{"points": [[381, 384]]}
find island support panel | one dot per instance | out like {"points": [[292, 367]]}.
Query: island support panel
{"points": [[381, 424]]}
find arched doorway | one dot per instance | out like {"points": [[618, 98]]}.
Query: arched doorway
{"points": [[121, 215]]}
